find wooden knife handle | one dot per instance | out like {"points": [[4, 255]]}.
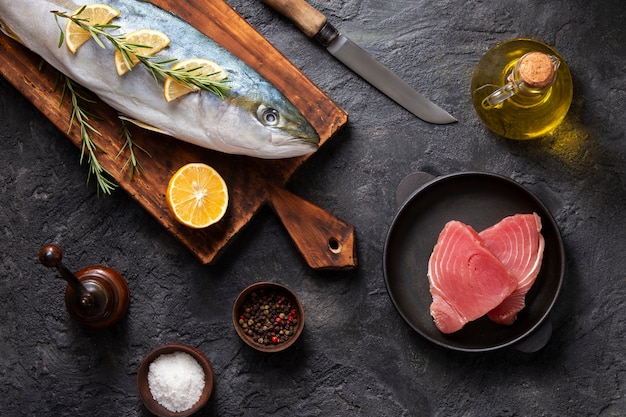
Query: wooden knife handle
{"points": [[308, 19]]}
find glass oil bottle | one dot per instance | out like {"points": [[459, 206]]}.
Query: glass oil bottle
{"points": [[522, 89]]}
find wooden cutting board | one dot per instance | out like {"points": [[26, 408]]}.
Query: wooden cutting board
{"points": [[324, 241]]}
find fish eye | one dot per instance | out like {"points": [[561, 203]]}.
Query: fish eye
{"points": [[268, 115]]}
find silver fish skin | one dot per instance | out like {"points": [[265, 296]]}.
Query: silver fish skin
{"points": [[242, 123]]}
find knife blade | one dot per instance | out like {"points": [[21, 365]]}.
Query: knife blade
{"points": [[315, 25]]}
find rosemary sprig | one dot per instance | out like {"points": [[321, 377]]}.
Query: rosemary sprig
{"points": [[89, 147], [157, 68], [132, 163]]}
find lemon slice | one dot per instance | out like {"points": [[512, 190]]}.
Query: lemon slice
{"points": [[173, 89], [151, 41], [94, 14], [197, 195]]}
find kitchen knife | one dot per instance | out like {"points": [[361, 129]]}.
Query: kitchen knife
{"points": [[315, 25]]}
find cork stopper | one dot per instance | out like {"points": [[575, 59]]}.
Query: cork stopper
{"points": [[536, 70]]}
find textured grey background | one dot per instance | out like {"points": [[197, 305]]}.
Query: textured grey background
{"points": [[356, 357]]}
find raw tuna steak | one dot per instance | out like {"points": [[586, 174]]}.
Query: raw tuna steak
{"points": [[466, 279], [517, 242]]}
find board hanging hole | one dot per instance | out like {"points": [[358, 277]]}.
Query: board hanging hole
{"points": [[334, 245]]}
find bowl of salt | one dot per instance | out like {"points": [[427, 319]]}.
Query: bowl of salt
{"points": [[175, 380]]}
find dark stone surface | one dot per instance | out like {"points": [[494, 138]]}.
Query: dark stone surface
{"points": [[356, 356]]}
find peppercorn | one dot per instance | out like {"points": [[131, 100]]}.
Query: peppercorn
{"points": [[268, 317]]}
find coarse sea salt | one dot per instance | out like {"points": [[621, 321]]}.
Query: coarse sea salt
{"points": [[176, 381]]}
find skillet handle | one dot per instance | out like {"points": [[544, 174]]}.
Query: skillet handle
{"points": [[536, 340], [410, 184], [324, 241]]}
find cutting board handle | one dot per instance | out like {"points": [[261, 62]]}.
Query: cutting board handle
{"points": [[324, 241]]}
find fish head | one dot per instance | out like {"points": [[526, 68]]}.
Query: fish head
{"points": [[264, 123]]}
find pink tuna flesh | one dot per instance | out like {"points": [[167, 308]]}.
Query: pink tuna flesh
{"points": [[466, 279], [517, 242]]}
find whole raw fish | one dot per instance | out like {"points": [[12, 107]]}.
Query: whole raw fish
{"points": [[236, 124]]}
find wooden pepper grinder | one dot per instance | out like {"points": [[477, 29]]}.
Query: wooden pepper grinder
{"points": [[96, 297]]}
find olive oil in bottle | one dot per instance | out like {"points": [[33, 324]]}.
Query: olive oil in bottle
{"points": [[522, 89]]}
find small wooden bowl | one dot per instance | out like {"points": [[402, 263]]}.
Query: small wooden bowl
{"points": [[268, 288], [144, 389]]}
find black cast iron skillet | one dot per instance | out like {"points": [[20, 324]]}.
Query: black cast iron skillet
{"points": [[479, 200]]}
